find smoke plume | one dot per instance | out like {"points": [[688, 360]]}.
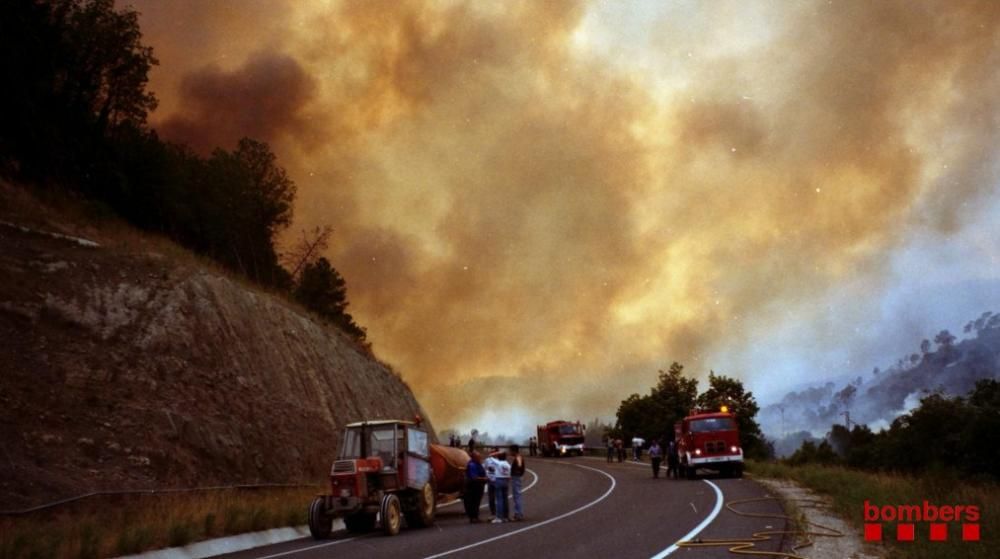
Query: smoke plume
{"points": [[536, 209]]}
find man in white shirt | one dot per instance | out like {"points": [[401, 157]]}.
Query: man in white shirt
{"points": [[491, 463], [502, 482], [637, 443]]}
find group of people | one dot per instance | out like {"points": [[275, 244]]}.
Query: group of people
{"points": [[502, 471], [616, 449]]}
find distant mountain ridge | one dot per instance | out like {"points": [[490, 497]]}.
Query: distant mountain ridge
{"points": [[878, 398]]}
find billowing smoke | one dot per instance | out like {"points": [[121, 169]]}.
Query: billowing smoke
{"points": [[877, 398], [264, 99], [533, 213]]}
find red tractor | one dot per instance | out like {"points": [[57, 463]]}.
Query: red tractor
{"points": [[709, 440], [387, 471]]}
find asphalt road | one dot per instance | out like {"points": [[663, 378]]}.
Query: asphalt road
{"points": [[574, 507]]}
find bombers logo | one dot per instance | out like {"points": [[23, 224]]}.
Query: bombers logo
{"points": [[906, 517]]}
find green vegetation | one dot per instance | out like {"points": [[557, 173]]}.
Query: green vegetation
{"points": [[73, 117], [120, 525], [850, 488], [949, 436], [674, 396]]}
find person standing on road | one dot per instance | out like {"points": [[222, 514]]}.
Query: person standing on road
{"points": [[611, 450], [491, 465], [620, 448], [516, 477], [655, 456], [475, 480], [672, 459], [637, 443], [502, 482]]}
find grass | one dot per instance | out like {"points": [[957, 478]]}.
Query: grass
{"points": [[108, 526], [849, 489]]}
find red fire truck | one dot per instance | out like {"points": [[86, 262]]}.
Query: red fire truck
{"points": [[709, 440], [560, 438]]}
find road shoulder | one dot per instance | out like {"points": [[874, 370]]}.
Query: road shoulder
{"points": [[816, 510]]}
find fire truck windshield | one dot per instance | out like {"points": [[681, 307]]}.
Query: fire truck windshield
{"points": [[712, 424], [568, 430]]}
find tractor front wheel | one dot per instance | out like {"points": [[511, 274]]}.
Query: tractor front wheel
{"points": [[320, 523], [391, 513]]}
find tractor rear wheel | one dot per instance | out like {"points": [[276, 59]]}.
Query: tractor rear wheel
{"points": [[320, 523], [359, 522], [391, 513], [425, 502]]}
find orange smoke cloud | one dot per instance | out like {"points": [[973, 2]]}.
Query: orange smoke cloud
{"points": [[521, 212], [264, 99]]}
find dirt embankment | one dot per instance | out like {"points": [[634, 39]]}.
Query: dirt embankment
{"points": [[124, 368]]}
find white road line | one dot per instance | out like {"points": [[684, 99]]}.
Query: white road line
{"points": [[708, 520], [540, 524], [530, 485], [301, 549]]}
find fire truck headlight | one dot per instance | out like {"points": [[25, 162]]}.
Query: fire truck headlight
{"points": [[697, 452], [734, 449]]}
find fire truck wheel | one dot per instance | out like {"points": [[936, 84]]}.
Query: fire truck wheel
{"points": [[359, 522], [425, 505], [391, 513], [320, 523]]}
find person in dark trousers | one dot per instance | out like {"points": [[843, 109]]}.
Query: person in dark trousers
{"points": [[502, 482], [532, 446], [611, 450], [491, 464], [475, 481], [516, 474], [472, 445], [655, 456], [672, 459]]}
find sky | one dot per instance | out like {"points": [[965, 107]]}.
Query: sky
{"points": [[538, 205]]}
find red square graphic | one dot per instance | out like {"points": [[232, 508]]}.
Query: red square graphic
{"points": [[904, 532], [873, 532], [970, 532], [939, 532]]}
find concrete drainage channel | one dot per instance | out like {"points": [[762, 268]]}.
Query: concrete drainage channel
{"points": [[230, 544]]}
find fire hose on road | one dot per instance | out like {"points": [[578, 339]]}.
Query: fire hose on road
{"points": [[745, 546]]}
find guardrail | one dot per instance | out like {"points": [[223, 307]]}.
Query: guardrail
{"points": [[84, 496], [38, 508]]}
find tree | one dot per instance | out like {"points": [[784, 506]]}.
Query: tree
{"points": [[723, 390], [323, 290], [307, 250], [653, 416], [107, 75], [76, 70], [944, 340], [243, 199]]}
